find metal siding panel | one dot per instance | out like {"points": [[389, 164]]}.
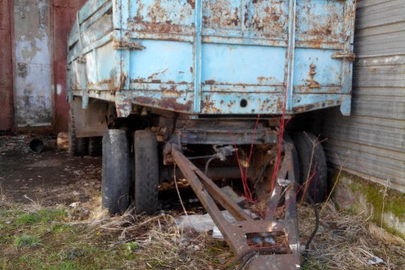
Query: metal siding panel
{"points": [[372, 141], [385, 138]]}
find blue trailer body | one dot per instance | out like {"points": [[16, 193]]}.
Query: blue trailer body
{"points": [[214, 57]]}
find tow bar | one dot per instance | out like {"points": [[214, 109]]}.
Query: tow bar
{"points": [[268, 243]]}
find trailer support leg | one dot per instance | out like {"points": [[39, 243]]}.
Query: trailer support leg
{"points": [[272, 242]]}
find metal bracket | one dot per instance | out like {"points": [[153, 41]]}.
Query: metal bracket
{"points": [[278, 244], [346, 55]]}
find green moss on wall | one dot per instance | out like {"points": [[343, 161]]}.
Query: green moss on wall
{"points": [[381, 199]]}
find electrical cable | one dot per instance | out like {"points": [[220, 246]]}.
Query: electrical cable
{"points": [[207, 164], [316, 212]]}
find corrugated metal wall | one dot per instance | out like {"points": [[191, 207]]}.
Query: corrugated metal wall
{"points": [[371, 143]]}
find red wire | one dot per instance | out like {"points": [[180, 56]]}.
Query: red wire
{"points": [[244, 170], [280, 139]]}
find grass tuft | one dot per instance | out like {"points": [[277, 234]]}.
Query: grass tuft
{"points": [[27, 241], [41, 216]]}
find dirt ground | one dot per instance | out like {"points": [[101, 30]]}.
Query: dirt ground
{"points": [[50, 218], [49, 178]]}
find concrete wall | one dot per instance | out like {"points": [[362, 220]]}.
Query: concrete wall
{"points": [[382, 205]]}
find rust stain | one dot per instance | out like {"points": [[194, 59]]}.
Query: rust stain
{"points": [[268, 19], [112, 84], [158, 18], [209, 82], [208, 105], [172, 91], [159, 28], [320, 29], [139, 80], [312, 83], [263, 79], [304, 108], [222, 14], [152, 77], [191, 3], [169, 103]]}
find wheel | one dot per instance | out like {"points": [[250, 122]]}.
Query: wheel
{"points": [[313, 167], [95, 146], [77, 146], [146, 172], [116, 173]]}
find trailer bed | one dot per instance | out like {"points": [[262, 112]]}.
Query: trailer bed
{"points": [[226, 57]]}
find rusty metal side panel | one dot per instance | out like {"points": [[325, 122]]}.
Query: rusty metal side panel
{"points": [[219, 57], [6, 70], [33, 63]]}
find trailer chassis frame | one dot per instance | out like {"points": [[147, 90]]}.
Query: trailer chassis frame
{"points": [[283, 256]]}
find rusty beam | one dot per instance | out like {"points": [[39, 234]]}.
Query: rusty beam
{"points": [[282, 252]]}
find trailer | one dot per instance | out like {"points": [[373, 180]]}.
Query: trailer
{"points": [[203, 89]]}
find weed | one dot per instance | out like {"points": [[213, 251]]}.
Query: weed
{"points": [[132, 246], [58, 228], [27, 241], [41, 216]]}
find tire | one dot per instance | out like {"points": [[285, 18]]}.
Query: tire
{"points": [[95, 146], [146, 172], [77, 146], [313, 165], [116, 173]]}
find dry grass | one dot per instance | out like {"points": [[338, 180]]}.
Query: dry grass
{"points": [[160, 244], [344, 241], [347, 241]]}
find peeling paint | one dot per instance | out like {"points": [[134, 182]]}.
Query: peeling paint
{"points": [[58, 89], [33, 91]]}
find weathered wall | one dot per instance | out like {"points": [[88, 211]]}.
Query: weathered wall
{"points": [[34, 34], [6, 73], [371, 143], [384, 206], [33, 63]]}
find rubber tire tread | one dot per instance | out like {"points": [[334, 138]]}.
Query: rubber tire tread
{"points": [[77, 146], [116, 173], [146, 172], [304, 143], [95, 146]]}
